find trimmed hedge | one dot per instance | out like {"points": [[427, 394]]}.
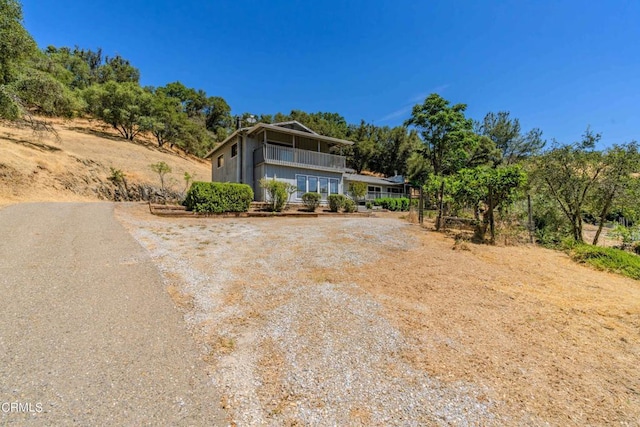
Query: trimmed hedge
{"points": [[218, 197], [393, 204], [311, 201], [336, 202]]}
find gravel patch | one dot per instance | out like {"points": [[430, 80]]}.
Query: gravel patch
{"points": [[289, 339]]}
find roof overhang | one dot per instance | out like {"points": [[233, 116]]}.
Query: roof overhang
{"points": [[260, 126], [264, 126]]}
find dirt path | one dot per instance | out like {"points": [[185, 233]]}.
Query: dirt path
{"points": [[88, 335]]}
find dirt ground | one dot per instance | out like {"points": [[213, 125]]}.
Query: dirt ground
{"points": [[373, 321]]}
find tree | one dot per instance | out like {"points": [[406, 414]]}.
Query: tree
{"points": [[125, 106], [360, 153], [119, 70], [620, 161], [164, 119], [41, 93], [68, 67], [357, 190], [162, 169], [486, 188], [506, 135], [447, 140], [567, 174], [392, 148], [16, 44], [218, 117]]}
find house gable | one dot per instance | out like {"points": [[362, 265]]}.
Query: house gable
{"points": [[295, 125]]}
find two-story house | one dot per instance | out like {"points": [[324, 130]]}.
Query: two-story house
{"points": [[292, 153]]}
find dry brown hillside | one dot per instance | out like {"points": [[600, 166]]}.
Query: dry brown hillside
{"points": [[76, 164]]}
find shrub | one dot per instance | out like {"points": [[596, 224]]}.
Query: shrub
{"points": [[369, 205], [217, 197], [311, 201], [393, 204], [277, 193], [336, 202], [615, 260], [349, 205]]}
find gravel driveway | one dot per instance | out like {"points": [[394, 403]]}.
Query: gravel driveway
{"points": [[88, 335], [288, 340]]}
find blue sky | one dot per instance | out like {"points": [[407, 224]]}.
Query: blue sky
{"points": [[557, 65]]}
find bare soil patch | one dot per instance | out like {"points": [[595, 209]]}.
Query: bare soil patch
{"points": [[372, 321]]}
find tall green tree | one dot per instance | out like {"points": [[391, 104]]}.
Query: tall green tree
{"points": [[567, 174], [16, 44], [392, 148], [507, 135], [447, 140], [620, 164], [125, 106], [218, 117], [360, 153], [165, 119], [119, 70]]}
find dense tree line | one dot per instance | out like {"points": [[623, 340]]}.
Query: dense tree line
{"points": [[489, 166], [69, 82]]}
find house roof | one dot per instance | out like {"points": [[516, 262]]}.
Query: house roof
{"points": [[280, 127], [294, 124], [395, 180]]}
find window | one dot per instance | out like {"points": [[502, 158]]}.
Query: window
{"points": [[393, 190], [313, 184], [301, 183], [374, 189], [234, 150], [221, 161], [324, 186], [333, 186]]}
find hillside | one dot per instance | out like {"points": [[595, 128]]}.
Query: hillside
{"points": [[75, 165]]}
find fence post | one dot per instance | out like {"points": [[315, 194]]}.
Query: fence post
{"points": [[421, 206], [530, 224]]}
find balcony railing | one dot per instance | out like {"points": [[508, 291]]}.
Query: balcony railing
{"points": [[287, 156], [371, 195]]}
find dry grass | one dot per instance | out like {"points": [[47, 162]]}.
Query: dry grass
{"points": [[551, 338], [39, 167]]}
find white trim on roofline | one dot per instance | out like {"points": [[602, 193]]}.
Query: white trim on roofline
{"points": [[259, 126]]}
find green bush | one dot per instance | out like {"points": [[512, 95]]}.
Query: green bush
{"points": [[217, 197], [311, 201], [277, 194], [393, 204], [349, 205], [336, 202], [609, 259]]}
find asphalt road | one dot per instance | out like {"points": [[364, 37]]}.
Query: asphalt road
{"points": [[88, 334]]}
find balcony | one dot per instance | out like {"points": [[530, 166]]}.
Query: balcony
{"points": [[372, 195], [286, 156]]}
